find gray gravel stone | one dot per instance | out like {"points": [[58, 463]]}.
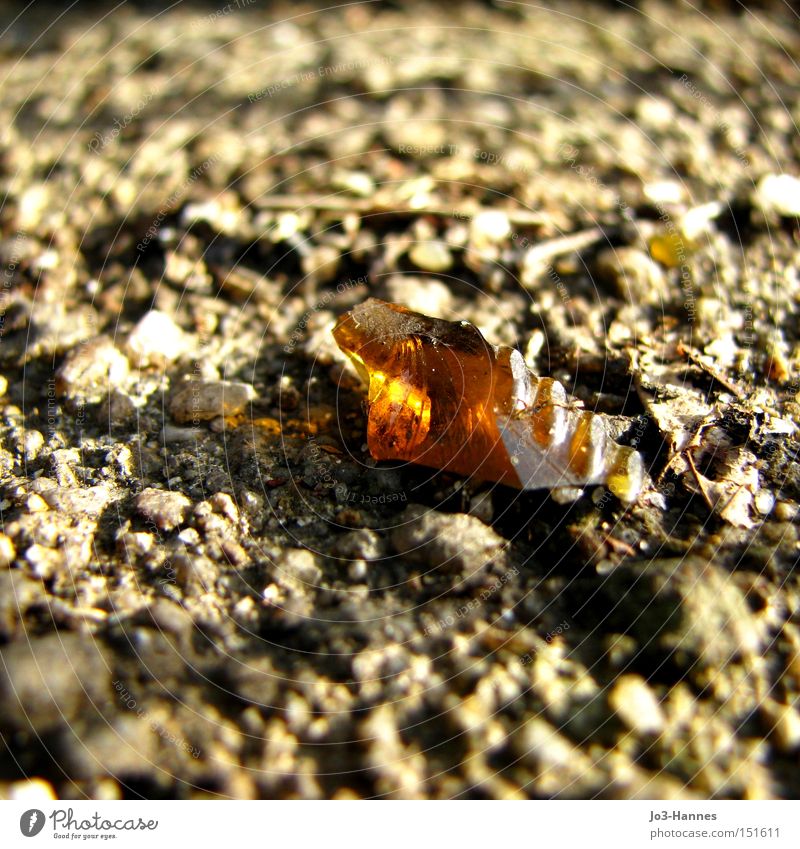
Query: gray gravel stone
{"points": [[56, 329], [117, 410], [92, 369], [18, 593], [422, 294], [200, 401], [167, 616], [63, 677], [431, 256], [453, 542], [79, 502], [362, 544], [172, 434], [635, 277], [300, 565], [155, 340]]}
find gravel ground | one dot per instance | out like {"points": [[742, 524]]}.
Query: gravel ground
{"points": [[207, 588]]}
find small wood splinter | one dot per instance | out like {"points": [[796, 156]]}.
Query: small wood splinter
{"points": [[440, 395]]}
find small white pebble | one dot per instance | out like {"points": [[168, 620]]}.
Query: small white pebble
{"points": [[533, 348], [357, 182], [136, 543], [222, 503], [636, 705], [156, 340], [287, 225], [664, 191], [697, 221], [32, 444], [173, 434], [46, 261], [31, 790], [358, 570], [163, 508], [34, 503], [221, 216], [197, 401], [272, 594], [786, 730], [7, 551], [764, 502], [45, 562], [189, 536], [431, 256], [490, 228], [779, 193], [426, 295]]}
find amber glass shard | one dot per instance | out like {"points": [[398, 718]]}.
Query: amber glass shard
{"points": [[550, 412], [439, 395], [626, 473], [587, 446], [431, 390]]}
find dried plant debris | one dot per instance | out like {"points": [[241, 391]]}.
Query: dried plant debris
{"points": [[708, 439], [192, 520]]}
